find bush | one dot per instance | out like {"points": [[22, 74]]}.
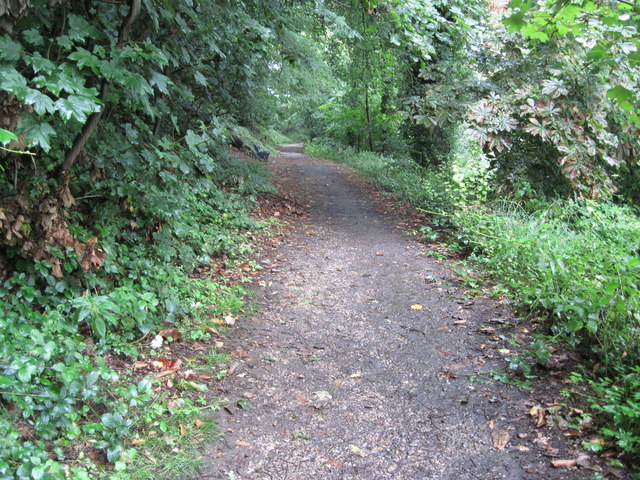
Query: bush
{"points": [[576, 260]]}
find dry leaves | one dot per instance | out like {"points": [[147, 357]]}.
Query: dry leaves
{"points": [[357, 451], [538, 413], [564, 463], [500, 439]]}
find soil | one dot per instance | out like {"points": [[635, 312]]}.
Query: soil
{"points": [[361, 361]]}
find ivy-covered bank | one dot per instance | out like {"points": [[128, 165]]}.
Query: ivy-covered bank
{"points": [[121, 211]]}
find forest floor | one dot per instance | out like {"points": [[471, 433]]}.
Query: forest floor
{"points": [[369, 360]]}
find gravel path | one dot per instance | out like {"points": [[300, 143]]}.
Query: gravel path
{"points": [[342, 379]]}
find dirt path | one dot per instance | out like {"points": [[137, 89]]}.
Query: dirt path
{"points": [[344, 380]]}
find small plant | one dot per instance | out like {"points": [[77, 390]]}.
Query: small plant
{"points": [[618, 401]]}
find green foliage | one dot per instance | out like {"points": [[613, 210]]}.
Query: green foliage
{"points": [[617, 399], [614, 45], [576, 260]]}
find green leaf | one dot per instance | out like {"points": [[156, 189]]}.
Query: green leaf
{"points": [[5, 380], [85, 58], [515, 22], [64, 42], [9, 49], [13, 82], [80, 28], [26, 372], [40, 102], [40, 64], [200, 78], [76, 106], [5, 137], [38, 135], [620, 94], [574, 325], [33, 37], [100, 327], [112, 420], [160, 81], [38, 472]]}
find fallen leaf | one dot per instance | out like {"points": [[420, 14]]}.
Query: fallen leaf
{"points": [[357, 451], [198, 423], [322, 395], [138, 365], [189, 374], [229, 320], [137, 441], [584, 460], [301, 398], [417, 306], [564, 463], [459, 322], [540, 414], [379, 254], [183, 429], [500, 439], [163, 363], [165, 373], [242, 443], [170, 333]]}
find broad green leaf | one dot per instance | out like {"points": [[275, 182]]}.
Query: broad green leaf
{"points": [[33, 37], [64, 42], [41, 103], [76, 106], [39, 135], [160, 81], [13, 82], [515, 22], [6, 136], [620, 94], [5, 381], [112, 420], [100, 327], [9, 49], [84, 58], [80, 28], [40, 64]]}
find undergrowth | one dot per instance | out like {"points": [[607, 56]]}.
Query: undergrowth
{"points": [[72, 401], [574, 262]]}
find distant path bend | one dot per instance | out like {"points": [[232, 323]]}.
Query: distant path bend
{"points": [[344, 379]]}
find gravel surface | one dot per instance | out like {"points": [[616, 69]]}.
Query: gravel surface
{"points": [[338, 377]]}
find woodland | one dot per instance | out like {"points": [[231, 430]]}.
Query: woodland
{"points": [[126, 222]]}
